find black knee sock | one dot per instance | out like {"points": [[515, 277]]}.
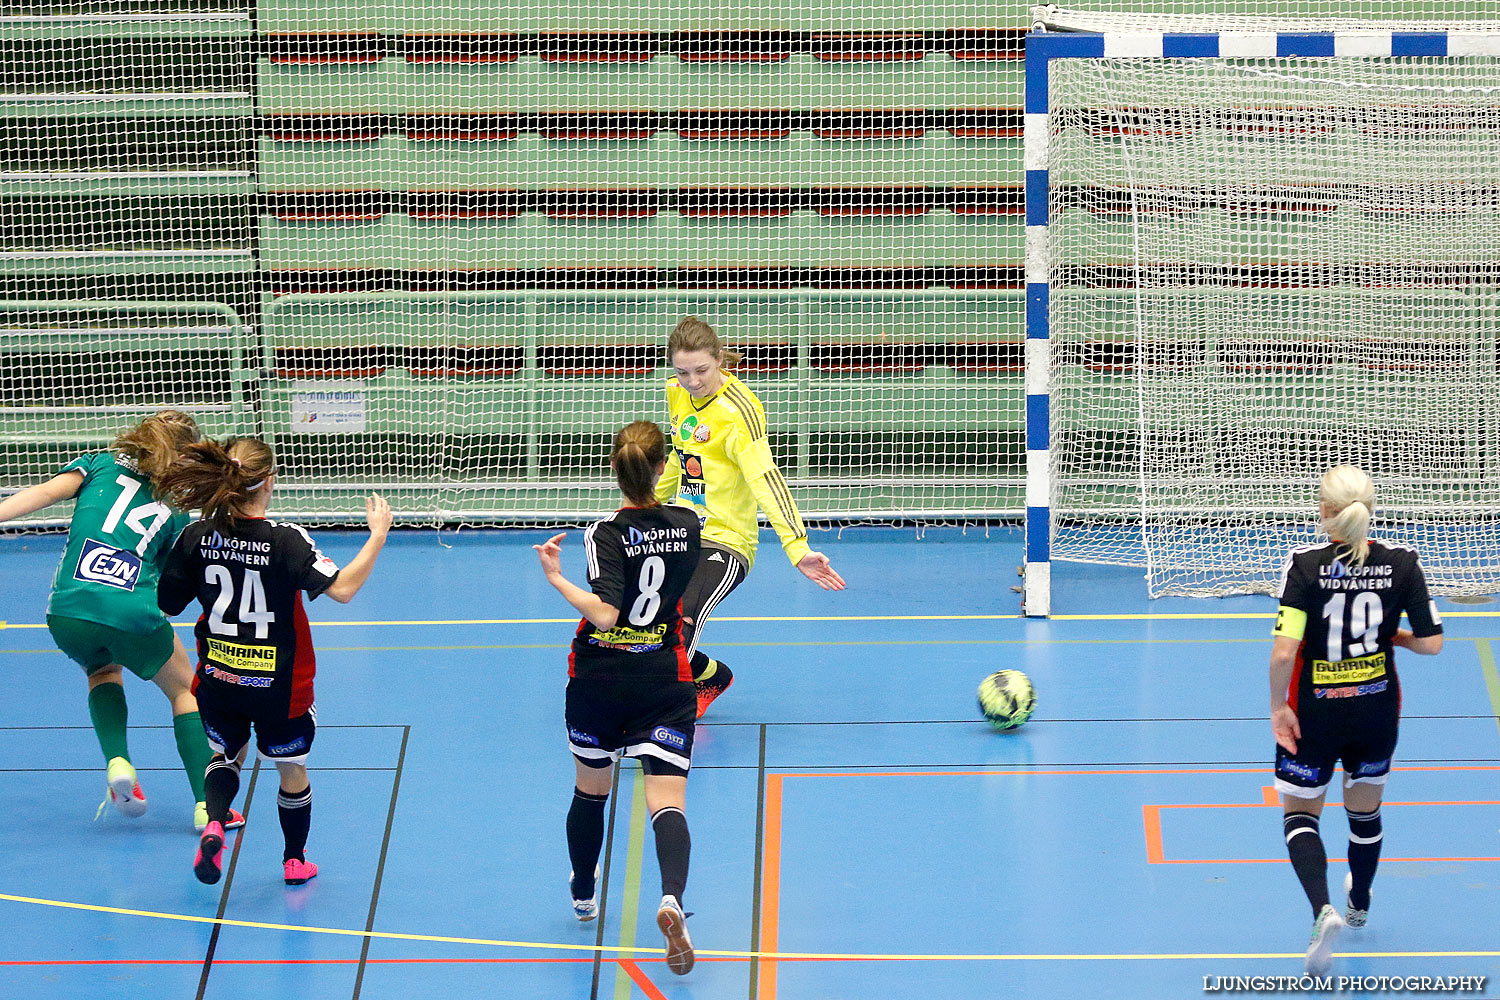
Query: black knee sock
{"points": [[673, 845], [1305, 847], [1364, 854], [701, 664], [296, 819], [585, 840], [221, 782]]}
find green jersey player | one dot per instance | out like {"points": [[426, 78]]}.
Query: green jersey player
{"points": [[102, 612]]}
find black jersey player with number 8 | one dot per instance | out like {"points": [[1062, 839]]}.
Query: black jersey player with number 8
{"points": [[630, 687]]}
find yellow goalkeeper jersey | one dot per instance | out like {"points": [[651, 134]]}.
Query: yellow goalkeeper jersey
{"points": [[721, 466]]}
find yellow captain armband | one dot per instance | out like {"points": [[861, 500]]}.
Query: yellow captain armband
{"points": [[1291, 623]]}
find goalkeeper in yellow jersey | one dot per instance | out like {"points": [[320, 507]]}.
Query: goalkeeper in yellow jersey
{"points": [[721, 465]]}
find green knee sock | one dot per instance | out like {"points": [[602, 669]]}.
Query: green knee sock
{"points": [[108, 713], [192, 747]]}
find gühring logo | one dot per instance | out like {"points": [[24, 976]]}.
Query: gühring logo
{"points": [[101, 563]]}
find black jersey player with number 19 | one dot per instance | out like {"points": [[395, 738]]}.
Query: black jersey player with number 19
{"points": [[630, 687], [1335, 695]]}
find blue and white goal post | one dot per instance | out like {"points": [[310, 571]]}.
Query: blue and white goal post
{"points": [[1328, 235]]}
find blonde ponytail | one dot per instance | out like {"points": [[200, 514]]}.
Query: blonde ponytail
{"points": [[1350, 495]]}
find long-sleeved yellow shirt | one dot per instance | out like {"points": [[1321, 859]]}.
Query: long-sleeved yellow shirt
{"points": [[721, 466]]}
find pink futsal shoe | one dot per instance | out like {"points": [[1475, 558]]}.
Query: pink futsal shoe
{"points": [[210, 853], [296, 872]]}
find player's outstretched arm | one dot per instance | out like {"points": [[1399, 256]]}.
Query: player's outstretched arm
{"points": [[815, 567], [600, 615], [40, 496], [353, 576]]}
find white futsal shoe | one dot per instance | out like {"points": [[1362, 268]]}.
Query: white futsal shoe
{"points": [[124, 789], [1325, 932], [585, 909], [673, 924]]}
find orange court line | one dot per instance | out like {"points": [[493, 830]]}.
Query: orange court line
{"points": [[56, 963], [944, 774], [50, 963], [1161, 770], [1151, 819], [641, 979], [770, 888], [770, 898]]}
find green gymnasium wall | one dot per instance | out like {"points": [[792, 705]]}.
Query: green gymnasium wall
{"points": [[488, 216]]}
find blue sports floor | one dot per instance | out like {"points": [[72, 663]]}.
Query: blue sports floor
{"points": [[857, 832]]}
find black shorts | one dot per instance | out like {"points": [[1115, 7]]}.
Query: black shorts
{"points": [[717, 574], [1365, 741], [277, 738], [649, 720]]}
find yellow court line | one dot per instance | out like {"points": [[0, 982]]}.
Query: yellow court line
{"points": [[1131, 641], [1218, 616], [574, 620], [1146, 617], [787, 955]]}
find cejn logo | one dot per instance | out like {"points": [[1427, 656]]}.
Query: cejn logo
{"points": [[101, 563]]}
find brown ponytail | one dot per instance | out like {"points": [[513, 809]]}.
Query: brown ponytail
{"points": [[154, 443], [640, 449], [692, 334], [219, 479]]}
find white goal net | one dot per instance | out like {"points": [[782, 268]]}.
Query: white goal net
{"points": [[1260, 268], [435, 249]]}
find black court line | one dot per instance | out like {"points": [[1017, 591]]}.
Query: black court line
{"points": [[385, 843], [760, 826], [602, 885], [234, 857]]}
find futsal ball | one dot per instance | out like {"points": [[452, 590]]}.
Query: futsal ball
{"points": [[1006, 699]]}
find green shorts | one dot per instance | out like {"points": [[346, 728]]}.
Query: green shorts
{"points": [[93, 646]]}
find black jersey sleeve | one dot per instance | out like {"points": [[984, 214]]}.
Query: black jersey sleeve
{"points": [[309, 569], [1420, 609], [178, 584], [1298, 589], [604, 551]]}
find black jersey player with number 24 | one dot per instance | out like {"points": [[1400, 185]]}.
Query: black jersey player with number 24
{"points": [[630, 687], [255, 654], [1334, 691]]}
